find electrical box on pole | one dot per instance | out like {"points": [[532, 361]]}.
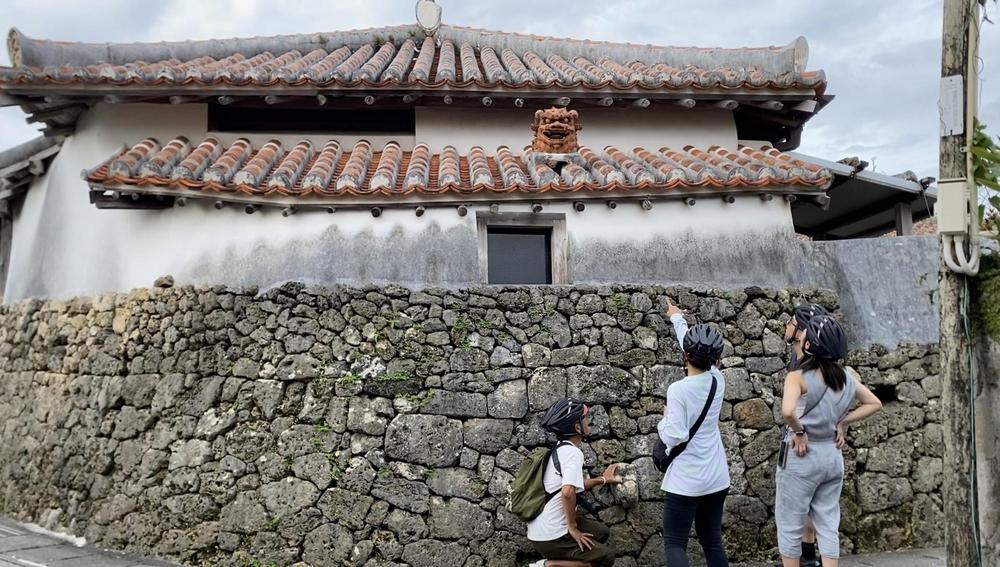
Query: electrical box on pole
{"points": [[952, 207]]}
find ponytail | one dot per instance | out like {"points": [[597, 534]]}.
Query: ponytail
{"points": [[700, 362], [833, 371]]}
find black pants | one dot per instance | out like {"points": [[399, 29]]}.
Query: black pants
{"points": [[706, 514]]}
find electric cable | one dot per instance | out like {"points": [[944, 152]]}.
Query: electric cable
{"points": [[973, 392]]}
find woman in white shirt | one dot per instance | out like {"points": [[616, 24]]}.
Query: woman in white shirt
{"points": [[697, 480]]}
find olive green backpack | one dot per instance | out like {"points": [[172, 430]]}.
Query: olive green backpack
{"points": [[527, 493]]}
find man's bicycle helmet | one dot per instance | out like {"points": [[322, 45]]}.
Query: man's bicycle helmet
{"points": [[562, 416], [825, 338], [705, 341]]}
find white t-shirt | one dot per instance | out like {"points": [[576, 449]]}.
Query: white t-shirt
{"points": [[551, 523], [702, 468]]}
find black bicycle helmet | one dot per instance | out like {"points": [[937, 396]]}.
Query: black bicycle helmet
{"points": [[805, 312], [562, 417], [825, 338], [705, 341]]}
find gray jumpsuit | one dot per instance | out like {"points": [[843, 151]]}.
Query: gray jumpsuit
{"points": [[810, 485]]}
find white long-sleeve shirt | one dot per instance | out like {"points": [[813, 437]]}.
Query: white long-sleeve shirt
{"points": [[702, 468]]}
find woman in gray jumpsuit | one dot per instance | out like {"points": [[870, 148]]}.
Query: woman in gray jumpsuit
{"points": [[816, 407]]}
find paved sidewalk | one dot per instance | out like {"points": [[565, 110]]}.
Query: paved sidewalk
{"points": [[913, 558], [20, 546]]}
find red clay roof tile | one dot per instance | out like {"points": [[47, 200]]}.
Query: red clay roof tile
{"points": [[270, 171]]}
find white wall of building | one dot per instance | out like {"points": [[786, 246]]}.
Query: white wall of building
{"points": [[624, 128], [64, 246]]}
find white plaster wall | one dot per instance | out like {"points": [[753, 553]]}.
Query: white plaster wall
{"points": [[64, 246], [624, 128], [708, 218]]}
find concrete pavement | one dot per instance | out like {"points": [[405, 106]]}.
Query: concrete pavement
{"points": [[21, 546], [911, 558]]}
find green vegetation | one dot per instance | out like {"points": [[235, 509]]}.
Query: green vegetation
{"points": [[417, 400], [988, 295], [272, 524], [349, 378], [462, 325], [986, 173], [621, 302], [338, 466], [395, 376]]}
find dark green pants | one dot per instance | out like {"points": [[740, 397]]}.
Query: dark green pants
{"points": [[566, 547]]}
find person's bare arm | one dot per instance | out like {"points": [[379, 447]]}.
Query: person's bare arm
{"points": [[868, 404], [582, 539], [680, 325], [794, 389], [790, 399], [607, 478]]}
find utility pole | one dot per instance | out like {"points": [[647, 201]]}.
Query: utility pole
{"points": [[958, 490]]}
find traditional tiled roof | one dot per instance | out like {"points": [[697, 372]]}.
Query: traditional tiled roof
{"points": [[20, 164], [925, 227], [401, 57], [325, 173]]}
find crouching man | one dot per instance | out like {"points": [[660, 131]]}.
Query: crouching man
{"points": [[562, 534]]}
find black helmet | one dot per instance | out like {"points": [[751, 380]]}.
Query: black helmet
{"points": [[705, 341], [805, 312], [562, 417], [826, 338]]}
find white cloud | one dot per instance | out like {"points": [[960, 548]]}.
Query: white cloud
{"points": [[13, 128]]}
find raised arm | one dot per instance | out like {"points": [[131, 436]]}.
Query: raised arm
{"points": [[677, 318]]}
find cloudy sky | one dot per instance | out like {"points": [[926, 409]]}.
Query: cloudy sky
{"points": [[882, 59]]}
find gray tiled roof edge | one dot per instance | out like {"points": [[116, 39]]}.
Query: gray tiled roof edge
{"points": [[24, 50]]}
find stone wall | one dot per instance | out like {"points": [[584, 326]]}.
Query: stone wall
{"points": [[382, 426]]}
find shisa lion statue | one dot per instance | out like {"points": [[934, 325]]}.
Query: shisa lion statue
{"points": [[555, 131]]}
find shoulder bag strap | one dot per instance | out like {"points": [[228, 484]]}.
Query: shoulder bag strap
{"points": [[679, 448], [810, 407], [816, 403]]}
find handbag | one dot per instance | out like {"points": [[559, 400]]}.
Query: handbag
{"points": [[662, 459]]}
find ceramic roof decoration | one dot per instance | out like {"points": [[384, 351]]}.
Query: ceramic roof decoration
{"points": [[555, 130], [309, 173]]}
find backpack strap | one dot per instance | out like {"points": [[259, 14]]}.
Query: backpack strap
{"points": [[587, 505], [555, 456], [679, 448]]}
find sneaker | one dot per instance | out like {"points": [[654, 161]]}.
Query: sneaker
{"points": [[539, 563], [810, 563]]}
